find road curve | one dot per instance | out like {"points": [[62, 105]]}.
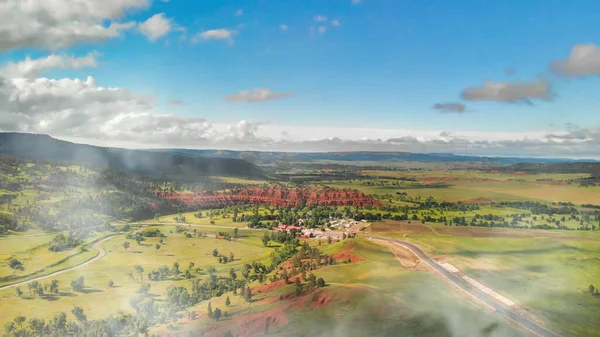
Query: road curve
{"points": [[100, 255], [497, 305]]}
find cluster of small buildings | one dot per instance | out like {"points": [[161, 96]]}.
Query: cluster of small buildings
{"points": [[288, 228], [340, 226], [345, 223]]}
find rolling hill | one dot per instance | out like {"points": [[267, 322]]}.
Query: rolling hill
{"points": [[168, 164]]}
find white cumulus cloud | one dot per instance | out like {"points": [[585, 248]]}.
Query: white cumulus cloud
{"points": [[583, 60], [32, 68], [155, 27], [508, 92], [53, 24], [215, 34]]}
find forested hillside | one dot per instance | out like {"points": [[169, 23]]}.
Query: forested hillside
{"points": [[167, 165]]}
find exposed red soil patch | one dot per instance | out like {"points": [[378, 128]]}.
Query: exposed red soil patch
{"points": [[478, 201], [521, 173], [255, 324], [321, 299], [268, 287], [274, 196], [346, 254]]}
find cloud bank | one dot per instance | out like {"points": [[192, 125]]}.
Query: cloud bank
{"points": [[53, 24]]}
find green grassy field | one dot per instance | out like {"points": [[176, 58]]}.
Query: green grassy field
{"points": [[549, 276], [376, 294], [493, 190], [99, 300], [37, 260], [545, 271]]}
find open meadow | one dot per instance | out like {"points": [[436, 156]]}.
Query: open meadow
{"points": [[158, 265], [547, 273]]}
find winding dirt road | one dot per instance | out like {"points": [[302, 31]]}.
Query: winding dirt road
{"points": [[97, 246], [500, 307]]}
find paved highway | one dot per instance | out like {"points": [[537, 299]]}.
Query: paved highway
{"points": [[497, 305]]}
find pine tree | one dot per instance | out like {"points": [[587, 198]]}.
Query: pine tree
{"points": [[227, 301], [248, 294], [210, 312]]}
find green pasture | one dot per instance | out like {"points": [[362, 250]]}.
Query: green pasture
{"points": [[377, 294], [493, 190], [549, 276], [98, 300]]}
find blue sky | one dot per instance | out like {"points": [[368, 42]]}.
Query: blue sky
{"points": [[378, 65], [387, 64]]}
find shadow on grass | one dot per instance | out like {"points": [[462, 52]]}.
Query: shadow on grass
{"points": [[67, 294], [90, 291]]}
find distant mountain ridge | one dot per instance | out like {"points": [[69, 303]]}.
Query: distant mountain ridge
{"points": [[172, 165], [258, 156]]}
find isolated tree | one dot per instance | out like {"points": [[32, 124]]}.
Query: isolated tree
{"points": [[164, 272], [320, 282], [591, 289], [215, 252], [78, 284], [140, 270], [130, 274], [266, 239], [79, 314], [217, 314], [329, 239], [126, 245], [175, 270], [298, 287], [111, 283], [312, 281], [227, 301], [187, 274], [19, 320], [248, 294], [231, 257], [232, 274], [243, 291], [19, 292], [191, 265], [157, 247], [209, 311], [286, 277], [15, 264], [144, 288], [54, 287], [36, 326]]}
